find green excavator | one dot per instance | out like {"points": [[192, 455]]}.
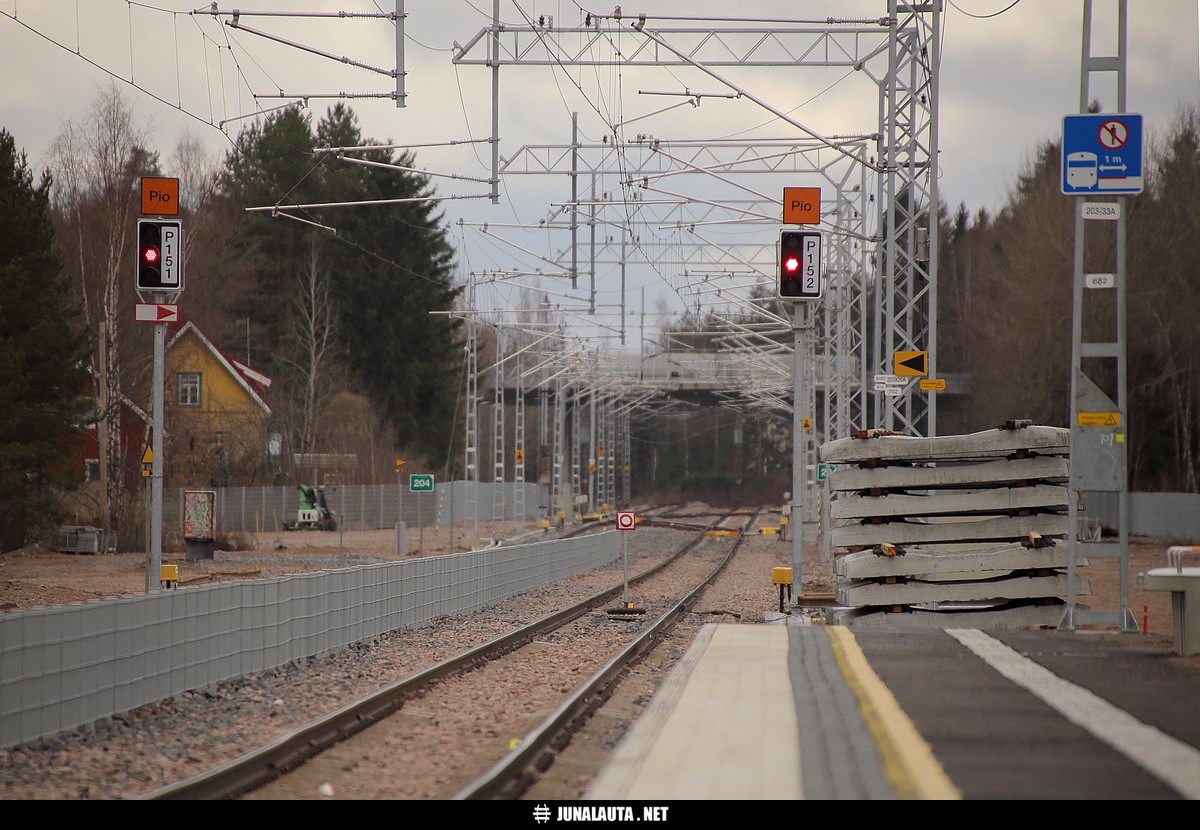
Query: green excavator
{"points": [[314, 512]]}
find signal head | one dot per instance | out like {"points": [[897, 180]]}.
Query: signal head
{"points": [[798, 264]]}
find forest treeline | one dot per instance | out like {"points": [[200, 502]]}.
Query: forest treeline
{"points": [[1005, 305], [1004, 322], [344, 308]]}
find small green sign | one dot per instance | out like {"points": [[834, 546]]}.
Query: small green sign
{"points": [[420, 483], [824, 471]]}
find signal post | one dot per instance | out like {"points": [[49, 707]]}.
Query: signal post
{"points": [[160, 276], [800, 279]]}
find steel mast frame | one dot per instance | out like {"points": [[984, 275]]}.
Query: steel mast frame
{"points": [[842, 325], [1099, 454], [906, 301], [908, 114]]}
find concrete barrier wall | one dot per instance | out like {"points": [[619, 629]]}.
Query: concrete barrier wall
{"points": [[68, 667]]}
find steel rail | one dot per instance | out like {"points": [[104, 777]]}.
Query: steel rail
{"points": [[258, 767], [511, 776]]}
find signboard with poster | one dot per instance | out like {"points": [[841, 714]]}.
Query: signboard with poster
{"points": [[199, 515], [199, 523]]}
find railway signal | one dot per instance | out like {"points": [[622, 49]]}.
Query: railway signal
{"points": [[159, 255], [799, 275]]}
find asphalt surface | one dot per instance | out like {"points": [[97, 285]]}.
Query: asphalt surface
{"points": [[808, 711], [1036, 714]]}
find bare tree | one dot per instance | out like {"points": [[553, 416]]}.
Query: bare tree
{"points": [[99, 164], [218, 279], [312, 337], [1016, 331], [1008, 304], [1164, 294]]}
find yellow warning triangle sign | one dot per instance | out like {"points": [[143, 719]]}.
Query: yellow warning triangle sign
{"points": [[148, 455]]}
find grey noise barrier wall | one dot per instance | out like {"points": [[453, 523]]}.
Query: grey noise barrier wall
{"points": [[67, 667], [376, 506], [365, 506]]}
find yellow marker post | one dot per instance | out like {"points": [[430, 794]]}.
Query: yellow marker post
{"points": [[783, 578]]}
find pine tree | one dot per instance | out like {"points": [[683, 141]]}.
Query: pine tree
{"points": [[42, 358], [388, 267]]}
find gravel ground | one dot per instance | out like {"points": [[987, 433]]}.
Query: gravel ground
{"points": [[175, 738]]}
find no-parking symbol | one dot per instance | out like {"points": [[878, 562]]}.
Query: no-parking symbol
{"points": [[626, 520]]}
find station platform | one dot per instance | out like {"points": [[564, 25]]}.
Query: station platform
{"points": [[803, 711]]}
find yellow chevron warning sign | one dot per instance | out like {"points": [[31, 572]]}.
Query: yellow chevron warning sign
{"points": [[911, 364]]}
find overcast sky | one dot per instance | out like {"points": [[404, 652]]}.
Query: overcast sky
{"points": [[1009, 73]]}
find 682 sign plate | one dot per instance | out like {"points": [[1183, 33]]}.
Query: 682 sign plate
{"points": [[626, 520]]}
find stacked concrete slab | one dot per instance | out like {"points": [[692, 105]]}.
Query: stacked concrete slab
{"points": [[956, 530]]}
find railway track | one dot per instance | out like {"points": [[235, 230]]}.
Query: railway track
{"points": [[396, 721]]}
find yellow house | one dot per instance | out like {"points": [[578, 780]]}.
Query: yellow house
{"points": [[216, 413]]}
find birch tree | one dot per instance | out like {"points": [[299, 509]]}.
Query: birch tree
{"points": [[99, 164]]}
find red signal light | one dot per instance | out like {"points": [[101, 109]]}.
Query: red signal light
{"points": [[791, 264], [150, 255]]}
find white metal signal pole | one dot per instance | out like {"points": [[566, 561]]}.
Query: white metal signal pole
{"points": [[154, 566], [796, 514]]}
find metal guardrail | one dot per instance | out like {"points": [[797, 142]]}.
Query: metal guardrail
{"points": [[1176, 553]]}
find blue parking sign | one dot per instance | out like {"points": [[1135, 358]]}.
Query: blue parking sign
{"points": [[1102, 154]]}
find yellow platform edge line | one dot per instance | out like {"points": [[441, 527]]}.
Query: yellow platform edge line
{"points": [[908, 760]]}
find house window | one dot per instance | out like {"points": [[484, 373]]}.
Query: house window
{"points": [[92, 472], [189, 389]]}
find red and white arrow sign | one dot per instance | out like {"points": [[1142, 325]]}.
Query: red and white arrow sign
{"points": [[156, 313]]}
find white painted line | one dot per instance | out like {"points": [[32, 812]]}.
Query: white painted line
{"points": [[1173, 761]]}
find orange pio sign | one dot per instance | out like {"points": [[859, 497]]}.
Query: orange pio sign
{"points": [[802, 205], [160, 197]]}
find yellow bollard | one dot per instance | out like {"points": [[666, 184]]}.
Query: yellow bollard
{"points": [[783, 578]]}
